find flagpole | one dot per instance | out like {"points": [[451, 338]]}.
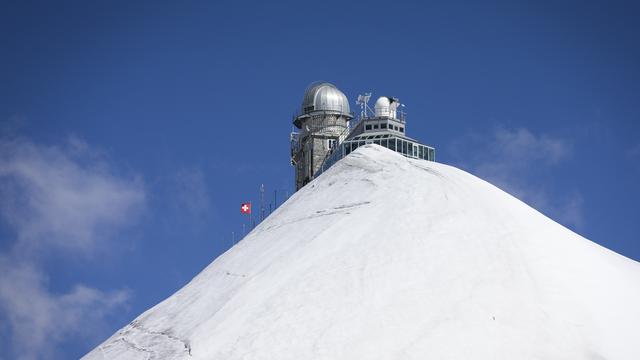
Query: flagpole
{"points": [[261, 202]]}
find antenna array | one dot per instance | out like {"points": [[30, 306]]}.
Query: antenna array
{"points": [[363, 101]]}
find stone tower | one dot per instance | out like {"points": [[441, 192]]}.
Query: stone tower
{"points": [[322, 124]]}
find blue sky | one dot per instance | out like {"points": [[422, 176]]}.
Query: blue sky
{"points": [[130, 133]]}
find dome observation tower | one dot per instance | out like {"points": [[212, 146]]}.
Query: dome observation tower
{"points": [[322, 123]]}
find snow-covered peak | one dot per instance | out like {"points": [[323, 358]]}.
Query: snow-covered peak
{"points": [[383, 257]]}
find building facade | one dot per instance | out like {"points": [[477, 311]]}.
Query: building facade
{"points": [[322, 124], [328, 132]]}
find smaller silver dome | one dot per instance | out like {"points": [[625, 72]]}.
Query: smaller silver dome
{"points": [[382, 106], [323, 96]]}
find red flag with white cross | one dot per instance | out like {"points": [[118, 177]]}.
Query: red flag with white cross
{"points": [[245, 208]]}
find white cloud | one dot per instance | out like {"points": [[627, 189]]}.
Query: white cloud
{"points": [[572, 212], [503, 154], [192, 194], [63, 201], [515, 160], [62, 197], [40, 319], [522, 145]]}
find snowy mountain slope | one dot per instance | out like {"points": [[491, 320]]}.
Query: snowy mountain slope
{"points": [[383, 257]]}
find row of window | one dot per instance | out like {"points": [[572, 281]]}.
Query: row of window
{"points": [[407, 148], [404, 147], [370, 137], [384, 126]]}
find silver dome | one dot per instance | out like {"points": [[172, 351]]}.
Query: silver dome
{"points": [[323, 96]]}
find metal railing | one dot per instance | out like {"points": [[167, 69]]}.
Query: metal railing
{"points": [[326, 163], [336, 110]]}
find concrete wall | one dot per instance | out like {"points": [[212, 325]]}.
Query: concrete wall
{"points": [[314, 145]]}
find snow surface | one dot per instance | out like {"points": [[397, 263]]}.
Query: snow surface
{"points": [[383, 257]]}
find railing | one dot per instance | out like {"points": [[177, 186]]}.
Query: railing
{"points": [[330, 159], [336, 153], [354, 123], [412, 151], [295, 143], [335, 109]]}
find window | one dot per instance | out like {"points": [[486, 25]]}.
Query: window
{"points": [[395, 128], [331, 143], [383, 142], [383, 126], [401, 129], [392, 144], [421, 152], [375, 126], [367, 127], [410, 149]]}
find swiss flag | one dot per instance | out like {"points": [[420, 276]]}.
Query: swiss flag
{"points": [[245, 208]]}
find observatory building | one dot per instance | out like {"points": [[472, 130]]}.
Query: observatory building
{"points": [[327, 131], [323, 123]]}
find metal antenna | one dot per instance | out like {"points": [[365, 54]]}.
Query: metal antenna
{"points": [[363, 102], [402, 112], [261, 202]]}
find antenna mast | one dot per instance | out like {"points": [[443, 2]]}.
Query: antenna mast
{"points": [[261, 202], [363, 101]]}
